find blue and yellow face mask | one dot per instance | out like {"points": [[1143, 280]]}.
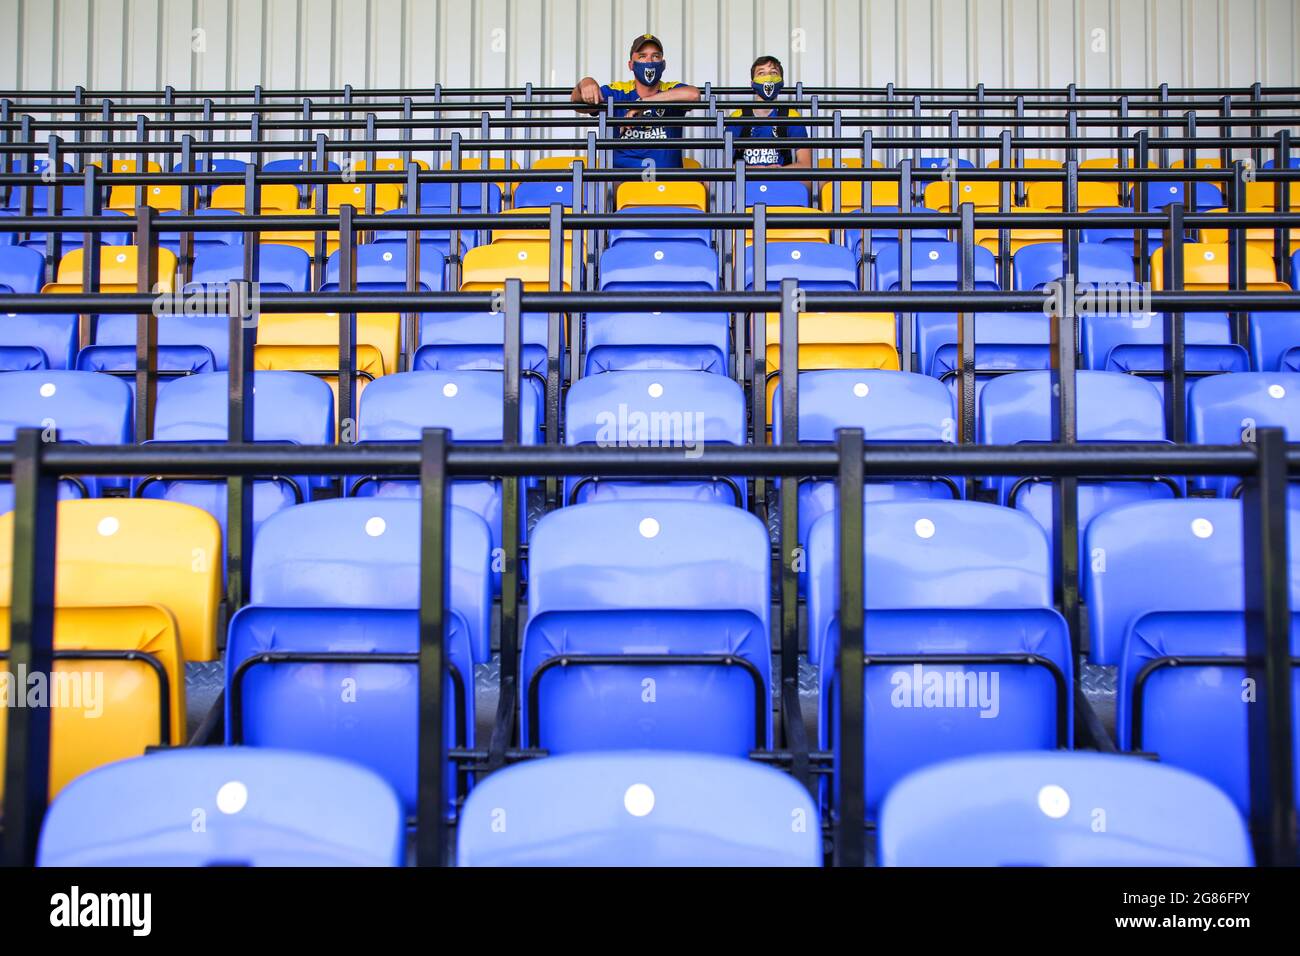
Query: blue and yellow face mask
{"points": [[768, 87], [649, 72]]}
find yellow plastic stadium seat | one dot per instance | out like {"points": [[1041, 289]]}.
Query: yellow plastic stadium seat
{"points": [[690, 195], [985, 195], [159, 197], [790, 233], [108, 709], [497, 162], [847, 162], [117, 270], [127, 166], [309, 342], [275, 197], [1030, 164], [303, 239], [1262, 199], [487, 267], [388, 164], [558, 162], [1205, 268], [388, 196], [1202, 162], [115, 552], [532, 236], [1020, 236], [882, 194], [689, 163], [1047, 196], [834, 340]]}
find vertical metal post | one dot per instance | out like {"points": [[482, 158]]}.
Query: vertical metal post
{"points": [[31, 647], [510, 504], [905, 319], [1268, 657], [90, 245], [435, 514], [553, 351], [411, 320], [1282, 204], [146, 328], [966, 328], [758, 348], [1064, 422], [1175, 351], [1237, 253], [850, 781], [347, 411]]}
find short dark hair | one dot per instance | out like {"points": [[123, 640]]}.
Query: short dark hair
{"points": [[764, 61]]}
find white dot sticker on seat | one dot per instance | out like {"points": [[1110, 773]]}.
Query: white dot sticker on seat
{"points": [[107, 526], [648, 527], [157, 190], [762, 189], [924, 528], [662, 188], [1173, 190], [860, 389], [559, 189], [232, 797], [356, 190], [1209, 255], [47, 389], [639, 800], [1054, 801], [522, 255], [796, 254], [659, 254], [934, 253], [121, 257], [1276, 391], [965, 189], [388, 257], [655, 390], [1202, 527], [451, 390], [376, 526]]}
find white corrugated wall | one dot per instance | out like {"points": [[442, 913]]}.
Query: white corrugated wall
{"points": [[221, 44]]}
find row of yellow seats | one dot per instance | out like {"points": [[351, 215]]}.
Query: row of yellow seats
{"points": [[135, 576]]}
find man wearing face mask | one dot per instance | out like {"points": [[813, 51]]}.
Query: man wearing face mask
{"points": [[647, 65], [767, 80]]}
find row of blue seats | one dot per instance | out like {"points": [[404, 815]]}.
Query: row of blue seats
{"points": [[266, 807], [655, 408], [941, 578]]}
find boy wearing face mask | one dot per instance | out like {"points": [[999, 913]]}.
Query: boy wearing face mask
{"points": [[646, 61], [767, 81]]}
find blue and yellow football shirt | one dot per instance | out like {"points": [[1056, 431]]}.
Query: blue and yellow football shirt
{"points": [[625, 92]]}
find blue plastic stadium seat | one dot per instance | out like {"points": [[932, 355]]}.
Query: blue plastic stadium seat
{"points": [[1042, 810], [469, 403], [537, 195], [935, 266], [1004, 341], [259, 808], [291, 407], [669, 265], [598, 649], [1193, 715], [187, 344], [436, 198], [342, 577], [1034, 266], [1275, 341], [777, 193], [71, 198], [84, 407], [889, 407], [698, 341], [817, 266], [1110, 407], [1293, 162], [280, 268], [940, 162], [431, 240], [381, 267], [297, 165], [202, 240], [639, 809], [945, 578], [889, 237], [1134, 343], [22, 271], [1121, 239], [655, 409], [474, 340], [1160, 195], [1228, 409], [685, 234]]}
